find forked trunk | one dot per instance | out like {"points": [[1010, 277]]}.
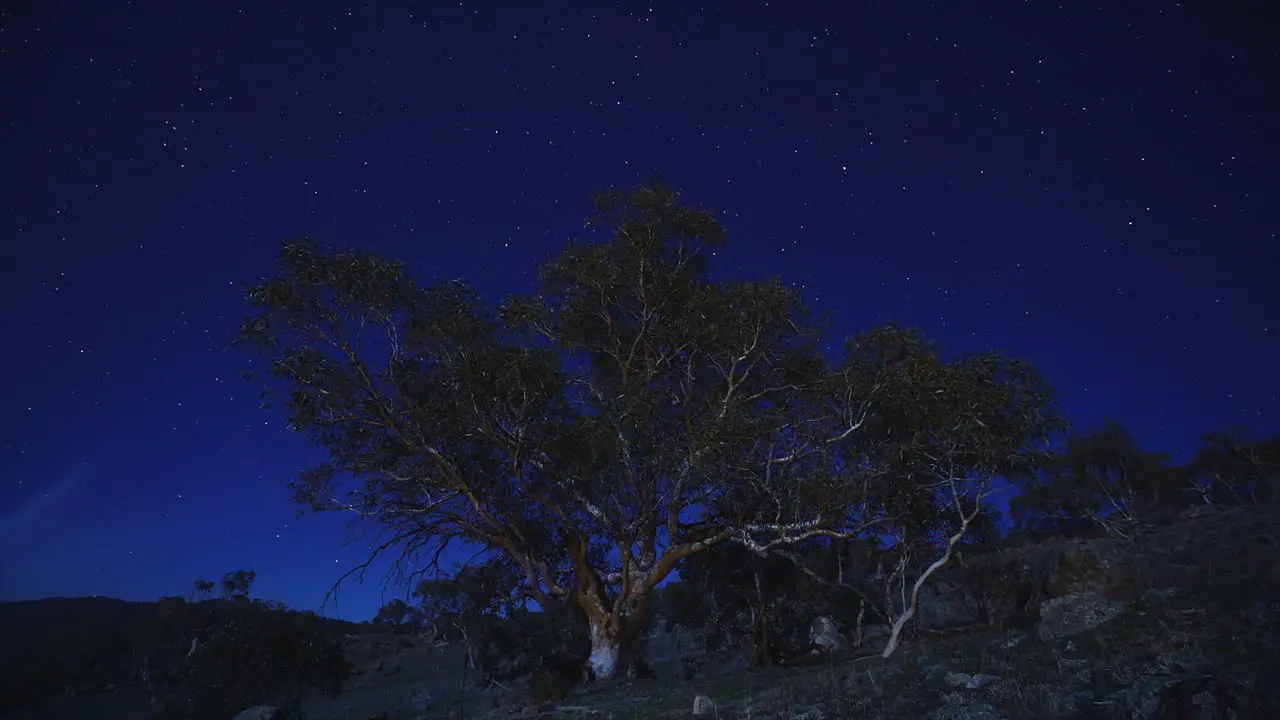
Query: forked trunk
{"points": [[615, 639], [614, 624]]}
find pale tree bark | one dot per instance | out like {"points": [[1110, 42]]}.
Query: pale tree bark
{"points": [[606, 650], [966, 518], [615, 620], [613, 634]]}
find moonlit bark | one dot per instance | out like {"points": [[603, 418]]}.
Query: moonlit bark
{"points": [[605, 651]]}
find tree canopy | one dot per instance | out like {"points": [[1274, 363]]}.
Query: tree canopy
{"points": [[628, 414]]}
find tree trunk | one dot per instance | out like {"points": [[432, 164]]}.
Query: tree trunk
{"points": [[761, 640], [606, 649], [615, 638], [895, 635]]}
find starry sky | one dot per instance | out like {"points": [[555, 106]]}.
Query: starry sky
{"points": [[1092, 189]]}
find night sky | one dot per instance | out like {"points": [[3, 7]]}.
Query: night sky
{"points": [[1093, 190]]}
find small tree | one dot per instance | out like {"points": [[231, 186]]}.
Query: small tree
{"points": [[467, 606], [400, 616], [1103, 478], [1234, 467], [944, 432], [630, 414], [201, 590], [235, 585], [213, 658]]}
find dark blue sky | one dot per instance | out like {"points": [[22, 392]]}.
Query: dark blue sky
{"points": [[1094, 190]]}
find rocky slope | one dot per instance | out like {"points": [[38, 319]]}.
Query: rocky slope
{"points": [[1183, 621]]}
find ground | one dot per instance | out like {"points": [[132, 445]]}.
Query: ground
{"points": [[1181, 622]]}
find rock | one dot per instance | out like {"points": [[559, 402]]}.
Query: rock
{"points": [[1075, 613], [1005, 589], [1105, 566], [944, 605], [703, 707], [967, 681], [824, 633], [1191, 697], [1155, 597], [259, 712]]}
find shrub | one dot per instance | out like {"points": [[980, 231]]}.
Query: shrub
{"points": [[221, 656]]}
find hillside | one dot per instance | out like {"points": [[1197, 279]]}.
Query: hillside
{"points": [[25, 622], [74, 653], [1181, 622], [25, 619]]}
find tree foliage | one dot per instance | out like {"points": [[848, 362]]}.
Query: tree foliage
{"points": [[1234, 467], [476, 608], [400, 616], [768, 602], [1104, 481], [628, 415], [215, 657]]}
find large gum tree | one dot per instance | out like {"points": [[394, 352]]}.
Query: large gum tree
{"points": [[628, 414]]}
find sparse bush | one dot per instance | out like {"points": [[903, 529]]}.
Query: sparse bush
{"points": [[555, 675], [526, 639], [224, 655]]}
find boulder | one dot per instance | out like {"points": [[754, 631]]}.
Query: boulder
{"points": [[259, 712], [1075, 613], [825, 634]]}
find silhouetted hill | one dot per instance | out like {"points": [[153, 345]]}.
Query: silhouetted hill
{"points": [[22, 615], [27, 621]]}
